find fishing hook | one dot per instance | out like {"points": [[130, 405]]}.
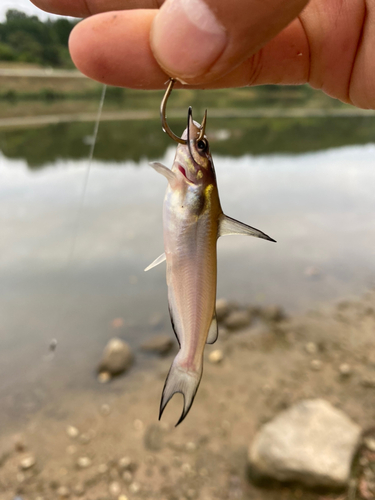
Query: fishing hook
{"points": [[163, 116]]}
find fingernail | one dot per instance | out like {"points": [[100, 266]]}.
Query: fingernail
{"points": [[187, 38]]}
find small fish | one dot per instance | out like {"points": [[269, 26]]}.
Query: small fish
{"points": [[193, 221]]}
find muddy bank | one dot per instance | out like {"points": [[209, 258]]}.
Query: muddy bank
{"points": [[110, 445]]}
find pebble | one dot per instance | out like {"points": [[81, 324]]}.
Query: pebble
{"points": [[127, 477], [135, 487], [117, 357], [19, 443], [122, 497], [368, 382], [316, 365], [126, 463], [28, 462], [237, 320], [72, 431], [63, 492], [105, 410], [311, 348], [345, 370], [216, 356], [84, 462], [186, 468], [102, 468], [85, 438], [114, 488], [222, 309], [104, 377], [190, 446], [311, 442], [370, 443], [159, 344], [79, 490]]}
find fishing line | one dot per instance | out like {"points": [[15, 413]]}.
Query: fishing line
{"points": [[77, 221]]}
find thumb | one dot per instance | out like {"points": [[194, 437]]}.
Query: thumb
{"points": [[197, 41]]}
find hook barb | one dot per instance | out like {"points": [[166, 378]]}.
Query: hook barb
{"points": [[203, 127], [163, 114]]}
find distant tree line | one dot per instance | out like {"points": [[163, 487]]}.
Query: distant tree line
{"points": [[27, 39]]}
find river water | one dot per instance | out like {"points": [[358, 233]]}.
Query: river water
{"points": [[308, 184]]}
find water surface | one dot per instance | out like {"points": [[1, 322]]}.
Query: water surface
{"points": [[298, 181]]}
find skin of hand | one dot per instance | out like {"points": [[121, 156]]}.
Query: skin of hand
{"points": [[220, 43]]}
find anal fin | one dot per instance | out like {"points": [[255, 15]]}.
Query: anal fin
{"points": [[213, 332], [173, 324], [156, 262]]}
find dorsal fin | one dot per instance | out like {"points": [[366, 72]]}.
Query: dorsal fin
{"points": [[227, 226], [213, 332]]}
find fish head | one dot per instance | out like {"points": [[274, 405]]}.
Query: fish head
{"points": [[193, 162]]}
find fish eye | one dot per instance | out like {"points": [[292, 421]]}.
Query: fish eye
{"points": [[202, 145]]}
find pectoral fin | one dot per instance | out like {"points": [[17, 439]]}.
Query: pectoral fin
{"points": [[156, 262], [227, 226], [213, 332], [163, 170]]}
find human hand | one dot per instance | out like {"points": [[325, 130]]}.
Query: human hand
{"points": [[227, 43]]}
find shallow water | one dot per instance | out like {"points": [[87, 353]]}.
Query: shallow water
{"points": [[318, 205]]}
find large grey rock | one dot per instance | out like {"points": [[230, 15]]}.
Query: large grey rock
{"points": [[117, 357], [312, 443]]}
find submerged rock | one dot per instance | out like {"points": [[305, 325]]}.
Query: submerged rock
{"points": [[222, 309], [160, 344], [272, 313], [117, 357], [237, 319], [312, 443]]}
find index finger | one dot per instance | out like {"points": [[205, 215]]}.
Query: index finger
{"points": [[85, 8]]}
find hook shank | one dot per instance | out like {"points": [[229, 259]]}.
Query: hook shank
{"points": [[163, 114]]}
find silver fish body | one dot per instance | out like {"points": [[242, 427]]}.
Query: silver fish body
{"points": [[193, 221]]}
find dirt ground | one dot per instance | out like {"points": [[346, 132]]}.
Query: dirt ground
{"points": [[116, 449]]}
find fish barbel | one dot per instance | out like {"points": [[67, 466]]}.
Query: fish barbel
{"points": [[193, 221]]}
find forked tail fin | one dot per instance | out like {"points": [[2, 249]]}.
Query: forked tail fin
{"points": [[183, 380]]}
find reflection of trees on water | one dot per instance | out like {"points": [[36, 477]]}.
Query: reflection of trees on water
{"points": [[136, 140]]}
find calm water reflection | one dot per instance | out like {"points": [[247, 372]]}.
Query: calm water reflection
{"points": [[319, 206], [136, 140]]}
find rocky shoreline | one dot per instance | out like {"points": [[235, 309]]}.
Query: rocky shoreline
{"points": [[264, 365]]}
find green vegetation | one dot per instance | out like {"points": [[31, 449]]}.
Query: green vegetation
{"points": [[136, 140], [27, 39]]}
